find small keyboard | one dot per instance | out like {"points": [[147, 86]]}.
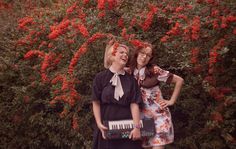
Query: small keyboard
{"points": [[121, 129]]}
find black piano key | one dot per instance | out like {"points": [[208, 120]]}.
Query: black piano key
{"points": [[120, 126]]}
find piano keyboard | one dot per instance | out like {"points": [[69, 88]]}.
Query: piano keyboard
{"points": [[121, 129], [124, 124]]}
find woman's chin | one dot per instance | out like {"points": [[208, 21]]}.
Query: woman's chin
{"points": [[123, 64]]}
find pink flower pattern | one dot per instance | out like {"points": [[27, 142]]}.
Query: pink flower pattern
{"points": [[162, 117]]}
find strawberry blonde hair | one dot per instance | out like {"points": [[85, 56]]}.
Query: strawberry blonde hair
{"points": [[110, 51]]}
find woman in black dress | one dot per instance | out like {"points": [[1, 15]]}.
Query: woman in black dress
{"points": [[116, 96]]}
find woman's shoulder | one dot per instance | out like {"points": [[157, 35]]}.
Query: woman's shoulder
{"points": [[129, 73], [128, 70], [130, 77], [102, 74]]}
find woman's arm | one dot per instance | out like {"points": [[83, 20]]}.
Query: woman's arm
{"points": [[135, 133], [97, 115], [178, 85], [178, 81]]}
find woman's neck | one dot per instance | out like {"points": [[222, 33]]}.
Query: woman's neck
{"points": [[116, 68], [140, 67]]}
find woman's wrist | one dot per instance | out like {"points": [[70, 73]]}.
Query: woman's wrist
{"points": [[138, 126], [172, 101], [99, 124]]}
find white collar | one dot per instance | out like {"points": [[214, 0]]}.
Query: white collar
{"points": [[141, 72]]}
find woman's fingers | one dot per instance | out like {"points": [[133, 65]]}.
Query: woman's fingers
{"points": [[135, 134], [103, 129], [103, 134], [155, 69], [130, 135], [163, 103]]}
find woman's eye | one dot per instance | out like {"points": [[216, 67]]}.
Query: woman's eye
{"points": [[145, 54], [123, 52]]}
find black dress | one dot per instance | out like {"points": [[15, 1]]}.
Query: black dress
{"points": [[111, 109]]}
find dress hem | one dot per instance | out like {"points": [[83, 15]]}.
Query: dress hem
{"points": [[157, 145]]}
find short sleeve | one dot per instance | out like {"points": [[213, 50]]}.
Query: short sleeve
{"points": [[96, 89], [149, 82], [136, 96], [164, 76]]}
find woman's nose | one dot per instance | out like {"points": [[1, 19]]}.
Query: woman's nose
{"points": [[144, 55]]}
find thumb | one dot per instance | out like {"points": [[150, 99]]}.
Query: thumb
{"points": [[130, 135], [103, 134]]}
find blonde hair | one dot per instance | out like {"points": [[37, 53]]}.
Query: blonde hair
{"points": [[108, 56]]}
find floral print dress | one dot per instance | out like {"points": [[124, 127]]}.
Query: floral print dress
{"points": [[162, 117]]}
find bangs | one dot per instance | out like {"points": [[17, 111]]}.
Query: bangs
{"points": [[123, 46]]}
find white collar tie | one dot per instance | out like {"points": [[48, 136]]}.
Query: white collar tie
{"points": [[115, 81]]}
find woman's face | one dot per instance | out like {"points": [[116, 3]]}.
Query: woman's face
{"points": [[144, 56], [121, 56]]}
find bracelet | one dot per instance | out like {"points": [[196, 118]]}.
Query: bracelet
{"points": [[138, 126]]}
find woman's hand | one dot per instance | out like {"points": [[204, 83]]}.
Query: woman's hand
{"points": [[156, 70], [135, 134], [165, 103], [102, 129]]}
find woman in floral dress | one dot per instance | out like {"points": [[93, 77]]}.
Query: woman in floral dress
{"points": [[149, 76]]}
